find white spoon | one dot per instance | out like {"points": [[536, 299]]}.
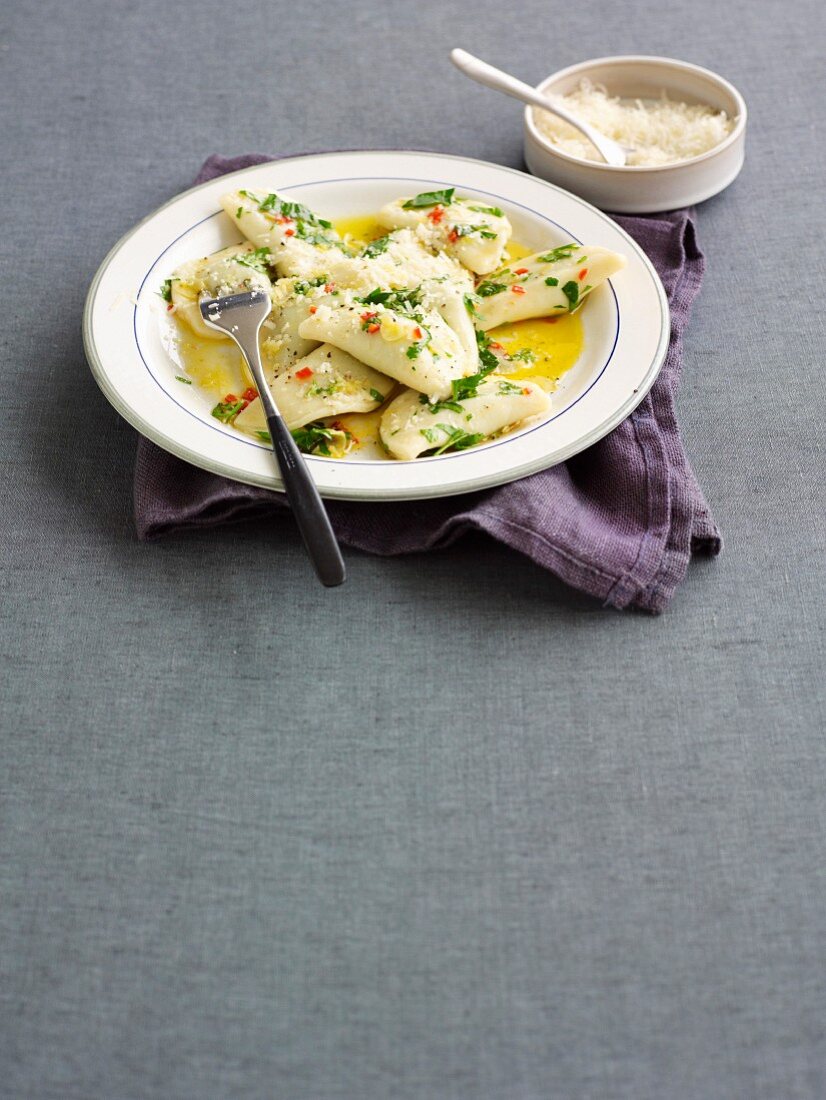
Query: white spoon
{"points": [[482, 73]]}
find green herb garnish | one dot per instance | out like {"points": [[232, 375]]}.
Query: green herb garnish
{"points": [[466, 387], [226, 411], [166, 290], [304, 286], [488, 289], [470, 305], [571, 292], [401, 301], [457, 439], [562, 253], [376, 395], [524, 355], [551, 281], [265, 436], [492, 210], [440, 406], [469, 230], [375, 248], [180, 378], [313, 438], [258, 259], [297, 211], [430, 198]]}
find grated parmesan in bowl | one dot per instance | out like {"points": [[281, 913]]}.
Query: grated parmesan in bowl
{"points": [[660, 131]]}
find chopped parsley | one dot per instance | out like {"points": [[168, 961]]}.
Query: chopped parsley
{"points": [[564, 252], [166, 290], [377, 396], [310, 233], [551, 281], [317, 390], [313, 438], [259, 259], [375, 248], [486, 356], [467, 387], [413, 351], [239, 212], [440, 406], [494, 211], [470, 305], [457, 439], [524, 355], [506, 387], [430, 198], [470, 230], [180, 378], [297, 211], [304, 286], [265, 436], [226, 411], [571, 292], [488, 289], [401, 301]]}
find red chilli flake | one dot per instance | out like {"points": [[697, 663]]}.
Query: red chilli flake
{"points": [[305, 372], [496, 346], [289, 232], [583, 273], [249, 395], [417, 333], [517, 289], [373, 328], [313, 309], [328, 287], [230, 399], [520, 271], [453, 236], [436, 214]]}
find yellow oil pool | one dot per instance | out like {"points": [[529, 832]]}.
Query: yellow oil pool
{"points": [[548, 346]]}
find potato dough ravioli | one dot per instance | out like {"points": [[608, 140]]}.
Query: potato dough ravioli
{"points": [[398, 329]]}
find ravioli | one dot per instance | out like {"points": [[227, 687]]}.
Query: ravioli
{"points": [[470, 230], [281, 344], [544, 284], [412, 425], [327, 382], [230, 271], [398, 260], [299, 241], [418, 349], [349, 325]]}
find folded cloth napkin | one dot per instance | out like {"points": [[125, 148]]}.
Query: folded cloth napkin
{"points": [[619, 521]]}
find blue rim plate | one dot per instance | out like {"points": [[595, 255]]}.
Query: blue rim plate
{"points": [[626, 323]]}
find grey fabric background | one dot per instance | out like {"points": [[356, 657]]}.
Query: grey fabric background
{"points": [[451, 831]]}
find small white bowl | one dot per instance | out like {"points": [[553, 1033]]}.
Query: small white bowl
{"points": [[643, 189]]}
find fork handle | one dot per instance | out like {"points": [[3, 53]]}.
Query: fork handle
{"points": [[308, 509]]}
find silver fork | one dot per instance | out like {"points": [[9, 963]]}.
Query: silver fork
{"points": [[240, 316]]}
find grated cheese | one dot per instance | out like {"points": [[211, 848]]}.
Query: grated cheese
{"points": [[661, 131]]}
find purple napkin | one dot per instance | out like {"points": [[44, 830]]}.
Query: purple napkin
{"points": [[619, 521]]}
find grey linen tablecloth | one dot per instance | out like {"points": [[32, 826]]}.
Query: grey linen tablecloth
{"points": [[619, 521]]}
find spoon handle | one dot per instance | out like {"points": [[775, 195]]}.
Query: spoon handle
{"points": [[308, 509], [492, 77]]}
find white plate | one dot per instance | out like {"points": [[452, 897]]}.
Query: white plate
{"points": [[626, 323]]}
